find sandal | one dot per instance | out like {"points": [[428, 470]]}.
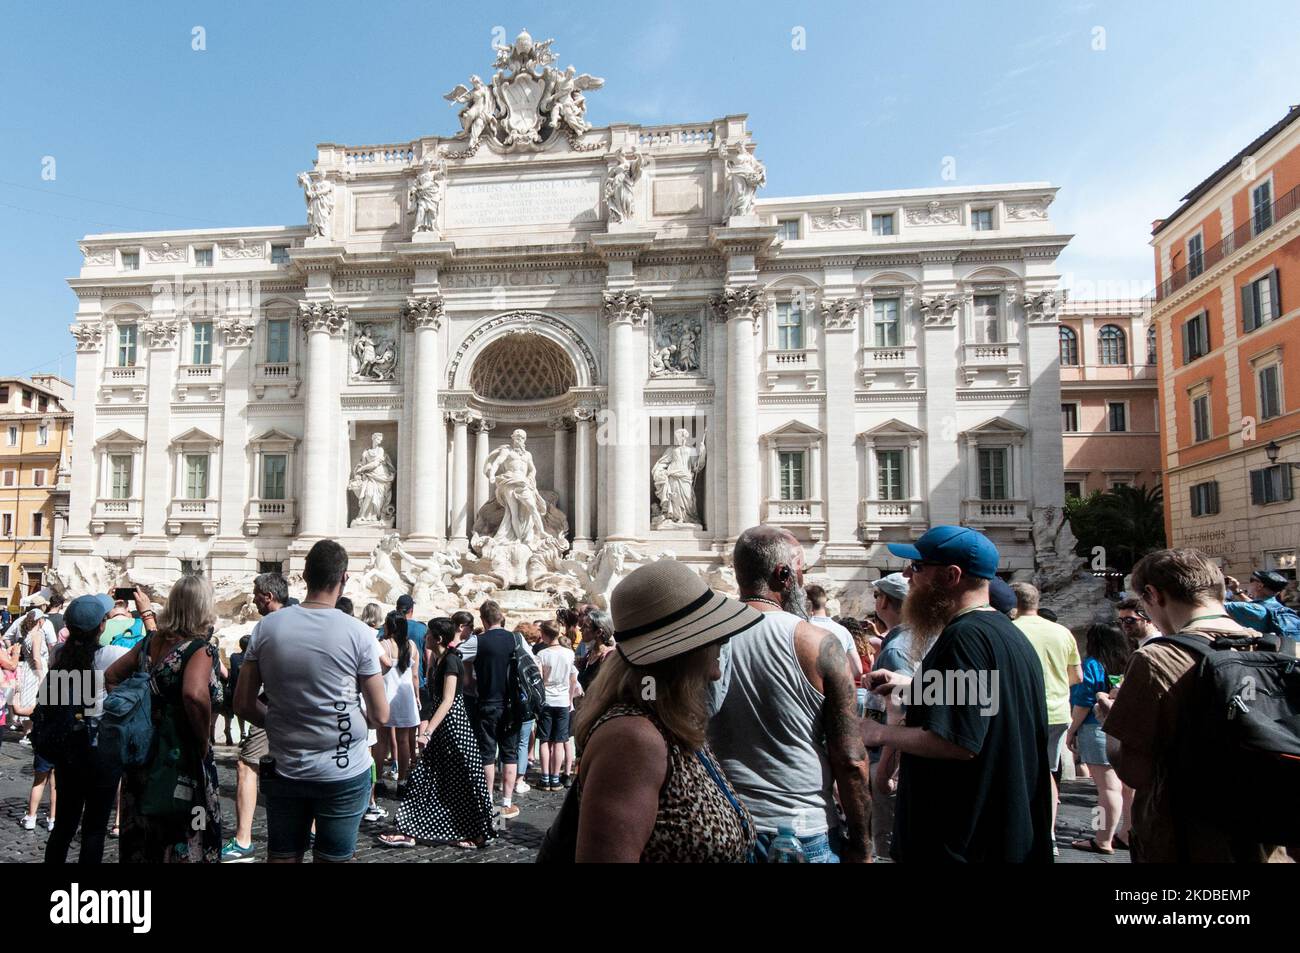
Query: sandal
{"points": [[396, 840], [1120, 843], [1091, 846]]}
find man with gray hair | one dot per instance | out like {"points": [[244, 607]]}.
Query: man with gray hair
{"points": [[270, 594], [786, 727]]}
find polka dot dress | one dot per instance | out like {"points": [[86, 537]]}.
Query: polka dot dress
{"points": [[447, 796]]}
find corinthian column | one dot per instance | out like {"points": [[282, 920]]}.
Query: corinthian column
{"points": [[739, 308], [482, 429], [424, 317], [582, 484], [561, 469], [627, 311], [459, 477], [320, 321]]}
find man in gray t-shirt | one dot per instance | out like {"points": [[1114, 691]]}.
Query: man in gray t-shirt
{"points": [[315, 664]]}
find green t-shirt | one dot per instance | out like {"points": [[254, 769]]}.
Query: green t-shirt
{"points": [[1059, 653]]}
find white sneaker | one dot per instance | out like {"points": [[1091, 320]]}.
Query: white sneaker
{"points": [[26, 741], [49, 824], [522, 787], [28, 822]]}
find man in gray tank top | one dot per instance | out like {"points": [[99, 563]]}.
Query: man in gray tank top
{"points": [[785, 728]]}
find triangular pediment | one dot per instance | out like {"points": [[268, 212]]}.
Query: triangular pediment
{"points": [[893, 427], [274, 435], [119, 437], [194, 436], [794, 428], [998, 425]]}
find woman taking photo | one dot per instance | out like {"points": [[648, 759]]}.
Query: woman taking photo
{"points": [[447, 800], [649, 788], [164, 801], [1106, 653], [399, 659]]}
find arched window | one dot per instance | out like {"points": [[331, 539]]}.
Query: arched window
{"points": [[1114, 349], [1151, 346], [1069, 347]]}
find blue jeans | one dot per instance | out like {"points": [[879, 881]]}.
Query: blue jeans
{"points": [[818, 848], [335, 806], [525, 735]]}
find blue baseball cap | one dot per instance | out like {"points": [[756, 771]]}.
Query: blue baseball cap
{"points": [[961, 546], [85, 613]]}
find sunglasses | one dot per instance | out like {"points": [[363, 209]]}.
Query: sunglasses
{"points": [[919, 564]]}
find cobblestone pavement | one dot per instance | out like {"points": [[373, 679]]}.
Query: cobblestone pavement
{"points": [[518, 844]]}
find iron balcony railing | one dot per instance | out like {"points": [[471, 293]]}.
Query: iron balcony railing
{"points": [[1260, 222]]}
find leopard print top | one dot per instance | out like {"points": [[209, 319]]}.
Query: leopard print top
{"points": [[696, 823]]}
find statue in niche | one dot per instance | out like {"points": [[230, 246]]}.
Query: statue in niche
{"points": [[374, 356], [426, 194], [745, 176], [674, 477], [620, 185], [511, 471], [319, 193], [372, 485]]}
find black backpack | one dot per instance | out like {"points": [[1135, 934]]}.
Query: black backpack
{"points": [[1243, 724], [53, 727], [526, 688]]}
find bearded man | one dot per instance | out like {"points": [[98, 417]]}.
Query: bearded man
{"points": [[973, 775]]}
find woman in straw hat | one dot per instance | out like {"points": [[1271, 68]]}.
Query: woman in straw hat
{"points": [[649, 788]]}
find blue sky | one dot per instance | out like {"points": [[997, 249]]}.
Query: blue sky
{"points": [[148, 133]]}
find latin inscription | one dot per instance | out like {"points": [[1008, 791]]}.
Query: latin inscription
{"points": [[538, 202]]}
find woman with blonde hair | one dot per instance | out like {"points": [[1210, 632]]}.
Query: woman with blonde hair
{"points": [[649, 789], [170, 812]]}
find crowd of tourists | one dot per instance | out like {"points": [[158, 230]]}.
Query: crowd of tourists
{"points": [[680, 725]]}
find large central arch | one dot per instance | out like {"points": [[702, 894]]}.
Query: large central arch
{"points": [[556, 332]]}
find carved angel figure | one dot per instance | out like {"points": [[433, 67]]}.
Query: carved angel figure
{"points": [[319, 194], [745, 176], [562, 100], [620, 184], [479, 114]]}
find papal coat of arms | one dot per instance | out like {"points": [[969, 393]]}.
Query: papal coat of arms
{"points": [[527, 103]]}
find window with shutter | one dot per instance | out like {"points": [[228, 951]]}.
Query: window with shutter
{"points": [[1248, 319], [1214, 496], [1274, 296], [1257, 486]]}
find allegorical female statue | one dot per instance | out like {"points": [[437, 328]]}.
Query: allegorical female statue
{"points": [[674, 480], [372, 485], [319, 193]]}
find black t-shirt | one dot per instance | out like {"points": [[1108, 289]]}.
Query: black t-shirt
{"points": [[496, 647], [981, 687], [450, 664]]}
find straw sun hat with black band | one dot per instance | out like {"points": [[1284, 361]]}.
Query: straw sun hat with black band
{"points": [[665, 609]]}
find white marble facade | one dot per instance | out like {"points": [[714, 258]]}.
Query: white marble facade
{"points": [[864, 364]]}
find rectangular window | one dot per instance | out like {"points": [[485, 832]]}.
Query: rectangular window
{"points": [[889, 475], [120, 476], [203, 257], [1073, 488], [789, 326], [993, 474], [277, 341], [986, 323], [1117, 413], [274, 467], [202, 342], [1270, 392], [126, 345], [11, 478], [196, 476], [43, 435], [4, 582], [13, 436], [1205, 498], [1260, 302], [6, 524], [191, 567], [882, 223], [1195, 256], [1270, 484], [38, 478], [27, 398], [1069, 418], [270, 565], [1261, 201], [886, 322], [791, 466], [43, 404], [130, 261], [981, 219], [1201, 418], [788, 229], [1196, 337], [38, 523], [279, 254], [4, 394]]}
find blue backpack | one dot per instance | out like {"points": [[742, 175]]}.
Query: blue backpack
{"points": [[126, 727], [1283, 621]]}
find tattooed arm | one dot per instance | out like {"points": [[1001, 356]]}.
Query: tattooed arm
{"points": [[826, 666]]}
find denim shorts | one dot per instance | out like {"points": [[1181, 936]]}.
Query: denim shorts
{"points": [[1091, 744], [335, 806], [817, 848]]}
